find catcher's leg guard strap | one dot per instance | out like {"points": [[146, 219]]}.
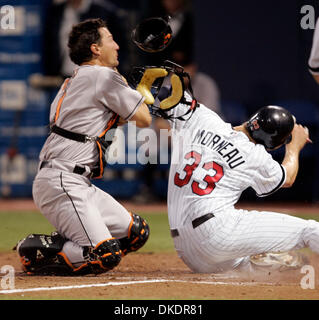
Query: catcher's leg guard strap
{"points": [[137, 236], [105, 256]]}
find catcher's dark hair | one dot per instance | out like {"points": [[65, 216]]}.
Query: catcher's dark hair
{"points": [[81, 37]]}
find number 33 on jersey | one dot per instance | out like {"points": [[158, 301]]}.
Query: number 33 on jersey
{"points": [[211, 178]]}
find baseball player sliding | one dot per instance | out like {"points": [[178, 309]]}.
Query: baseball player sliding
{"points": [[93, 230], [212, 164]]}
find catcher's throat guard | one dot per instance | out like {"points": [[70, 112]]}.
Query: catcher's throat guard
{"points": [[163, 88]]}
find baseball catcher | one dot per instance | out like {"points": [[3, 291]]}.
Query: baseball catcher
{"points": [[94, 231]]}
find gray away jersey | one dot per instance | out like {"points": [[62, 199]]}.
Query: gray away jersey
{"points": [[212, 164], [89, 101]]}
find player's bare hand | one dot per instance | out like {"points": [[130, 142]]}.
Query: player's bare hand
{"points": [[300, 136]]}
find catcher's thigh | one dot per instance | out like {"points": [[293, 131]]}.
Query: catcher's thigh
{"points": [[114, 215], [66, 200], [73, 207]]}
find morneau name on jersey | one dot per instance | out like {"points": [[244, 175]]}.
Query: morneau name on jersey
{"points": [[223, 147]]}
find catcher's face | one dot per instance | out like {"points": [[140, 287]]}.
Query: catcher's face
{"points": [[107, 50]]}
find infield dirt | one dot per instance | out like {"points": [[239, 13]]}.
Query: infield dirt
{"points": [[177, 281]]}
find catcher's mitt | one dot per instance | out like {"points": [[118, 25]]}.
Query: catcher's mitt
{"points": [[149, 76]]}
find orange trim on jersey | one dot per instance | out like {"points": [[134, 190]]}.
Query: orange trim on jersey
{"points": [[101, 160], [57, 113], [108, 127]]}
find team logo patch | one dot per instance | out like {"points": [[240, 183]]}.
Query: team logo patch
{"points": [[255, 124]]}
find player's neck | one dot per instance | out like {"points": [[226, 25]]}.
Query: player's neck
{"points": [[92, 62], [242, 128], [97, 62]]}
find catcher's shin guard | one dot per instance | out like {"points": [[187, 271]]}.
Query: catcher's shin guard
{"points": [[137, 235], [38, 254], [105, 256]]}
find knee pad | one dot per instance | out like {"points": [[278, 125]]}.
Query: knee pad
{"points": [[137, 235]]}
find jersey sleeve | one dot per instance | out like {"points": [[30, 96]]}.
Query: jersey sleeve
{"points": [[116, 95], [313, 62], [268, 174]]}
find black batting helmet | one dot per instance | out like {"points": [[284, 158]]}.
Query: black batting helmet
{"points": [[153, 34], [271, 126]]}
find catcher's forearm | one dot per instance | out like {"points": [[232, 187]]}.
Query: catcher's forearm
{"points": [[142, 116]]}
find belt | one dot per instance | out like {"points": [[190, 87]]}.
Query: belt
{"points": [[72, 135], [195, 223], [77, 169]]}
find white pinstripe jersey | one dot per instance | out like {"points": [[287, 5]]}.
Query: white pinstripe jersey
{"points": [[212, 164], [313, 61]]}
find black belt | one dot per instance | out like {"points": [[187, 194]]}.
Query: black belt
{"points": [[196, 223], [71, 135], [77, 169]]}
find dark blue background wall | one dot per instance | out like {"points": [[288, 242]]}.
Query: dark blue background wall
{"points": [[256, 50]]}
